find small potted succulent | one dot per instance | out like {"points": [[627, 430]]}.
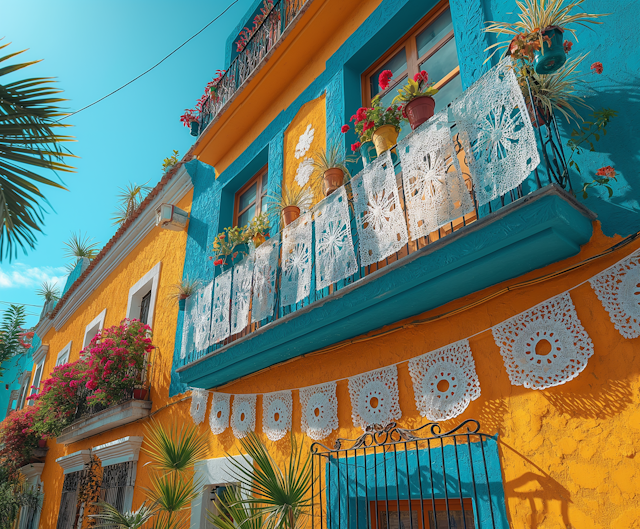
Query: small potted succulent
{"points": [[184, 290], [228, 245], [190, 119], [257, 229], [290, 202], [330, 167], [416, 98], [537, 37]]}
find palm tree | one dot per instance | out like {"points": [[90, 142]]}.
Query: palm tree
{"points": [[13, 320], [129, 200], [29, 139], [277, 498], [79, 246]]}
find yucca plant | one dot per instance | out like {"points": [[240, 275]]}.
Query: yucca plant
{"points": [[79, 246], [302, 197], [30, 139], [48, 291], [110, 518], [184, 289], [538, 15], [129, 200], [176, 449], [234, 513]]}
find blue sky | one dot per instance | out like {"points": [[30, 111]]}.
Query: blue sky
{"points": [[93, 48]]}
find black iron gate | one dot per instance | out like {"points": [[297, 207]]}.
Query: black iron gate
{"points": [[393, 478], [117, 485], [69, 500]]}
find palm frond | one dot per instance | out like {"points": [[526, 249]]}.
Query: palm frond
{"points": [[48, 291], [129, 199], [172, 492], [110, 518], [234, 513], [174, 449], [79, 246], [30, 139]]}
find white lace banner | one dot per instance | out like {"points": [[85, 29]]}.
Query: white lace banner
{"points": [[444, 381], [243, 417], [434, 187], [618, 289], [296, 261], [264, 279], [202, 323], [382, 230], [374, 397], [221, 308], [319, 410], [188, 325], [277, 409], [496, 133], [220, 412], [545, 346], [241, 294], [335, 258], [198, 410]]}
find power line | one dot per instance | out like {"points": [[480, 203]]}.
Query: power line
{"points": [[155, 65], [24, 304]]}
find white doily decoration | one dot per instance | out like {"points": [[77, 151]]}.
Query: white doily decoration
{"points": [[374, 397], [335, 257], [304, 172], [618, 289], [382, 230], [319, 410], [496, 133], [188, 326], [221, 306], [241, 295], [264, 279], [276, 414], [444, 381], [202, 323], [296, 261], [304, 142], [199, 398], [220, 411], [243, 417], [435, 191], [555, 322]]}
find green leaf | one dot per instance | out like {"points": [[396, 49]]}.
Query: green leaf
{"points": [[584, 195], [610, 191], [597, 136]]}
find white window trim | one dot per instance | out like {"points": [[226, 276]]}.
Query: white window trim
{"points": [[209, 472], [74, 462], [97, 321], [152, 276], [65, 350], [32, 474], [36, 374], [25, 378]]}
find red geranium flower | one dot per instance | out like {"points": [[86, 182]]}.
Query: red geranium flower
{"points": [[356, 146], [368, 125], [421, 76], [344, 128], [607, 171], [384, 78], [567, 46], [597, 67], [361, 114], [217, 262]]}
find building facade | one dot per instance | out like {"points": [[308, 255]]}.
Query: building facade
{"points": [[483, 332]]}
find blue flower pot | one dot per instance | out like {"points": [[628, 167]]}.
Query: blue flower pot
{"points": [[195, 128], [368, 152], [554, 55]]}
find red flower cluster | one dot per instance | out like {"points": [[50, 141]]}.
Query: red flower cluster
{"points": [[567, 45], [597, 67], [247, 33], [345, 129], [355, 147], [384, 78], [18, 438], [218, 262], [607, 171], [188, 116], [421, 76], [360, 115], [368, 125]]}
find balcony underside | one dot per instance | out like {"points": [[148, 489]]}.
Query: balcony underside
{"points": [[542, 228]]}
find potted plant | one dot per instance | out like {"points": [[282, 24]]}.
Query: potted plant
{"points": [[416, 98], [257, 229], [290, 202], [537, 37], [364, 146], [184, 289], [330, 167], [140, 392], [228, 245], [190, 119], [170, 162]]}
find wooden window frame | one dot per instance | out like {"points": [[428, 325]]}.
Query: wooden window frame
{"points": [[408, 41], [427, 507], [257, 178]]}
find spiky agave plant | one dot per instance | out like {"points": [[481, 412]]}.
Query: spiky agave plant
{"points": [[79, 246], [129, 199], [48, 291]]}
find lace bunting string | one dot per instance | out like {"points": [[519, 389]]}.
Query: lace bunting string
{"points": [[220, 412], [221, 305], [374, 397], [264, 280], [296, 261], [319, 410], [243, 417], [241, 296], [276, 414], [199, 398]]}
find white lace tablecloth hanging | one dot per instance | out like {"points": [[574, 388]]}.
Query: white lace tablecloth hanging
{"points": [[220, 412], [319, 410], [188, 326], [444, 381], [618, 290], [276, 414], [241, 294], [382, 230], [243, 416], [335, 257], [545, 346], [202, 323], [264, 279], [221, 307], [296, 261], [496, 133], [374, 397], [434, 187], [199, 398]]}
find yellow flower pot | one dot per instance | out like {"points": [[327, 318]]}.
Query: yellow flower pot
{"points": [[384, 138]]}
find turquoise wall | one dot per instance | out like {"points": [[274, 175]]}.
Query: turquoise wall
{"points": [[14, 367]]}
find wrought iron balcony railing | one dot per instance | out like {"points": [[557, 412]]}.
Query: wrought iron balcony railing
{"points": [[264, 39]]}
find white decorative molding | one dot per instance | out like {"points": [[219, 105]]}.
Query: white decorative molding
{"points": [[93, 328], [32, 470], [172, 193], [66, 350], [119, 451], [74, 462], [40, 353], [147, 282]]}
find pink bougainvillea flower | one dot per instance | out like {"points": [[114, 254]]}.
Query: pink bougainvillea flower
{"points": [[597, 67], [607, 171], [345, 128], [384, 78], [356, 146]]}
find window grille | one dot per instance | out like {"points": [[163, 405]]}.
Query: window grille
{"points": [[67, 515], [144, 308], [117, 485]]}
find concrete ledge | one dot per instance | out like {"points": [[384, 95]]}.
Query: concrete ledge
{"points": [[108, 419]]}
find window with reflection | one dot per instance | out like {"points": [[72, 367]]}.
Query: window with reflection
{"points": [[251, 199]]}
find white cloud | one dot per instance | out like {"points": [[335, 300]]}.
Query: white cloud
{"points": [[19, 275]]}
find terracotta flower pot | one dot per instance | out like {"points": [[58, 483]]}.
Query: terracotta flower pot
{"points": [[140, 393], [290, 213], [258, 239], [541, 116], [42, 443], [554, 55], [333, 179], [384, 138], [419, 110]]}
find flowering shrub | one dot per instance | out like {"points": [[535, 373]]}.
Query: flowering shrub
{"points": [[60, 397], [18, 438], [116, 360]]}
